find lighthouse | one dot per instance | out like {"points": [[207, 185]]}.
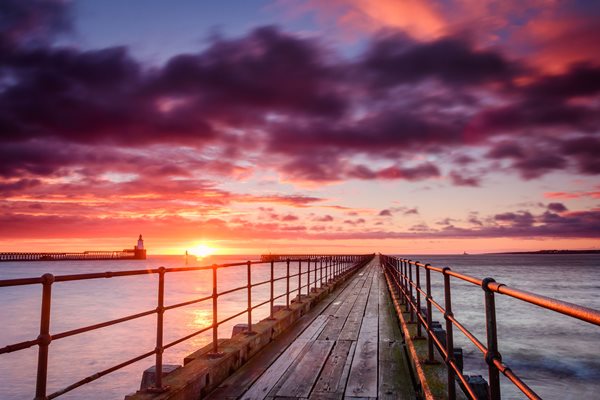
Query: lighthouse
{"points": [[140, 252]]}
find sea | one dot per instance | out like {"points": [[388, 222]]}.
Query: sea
{"points": [[557, 356]]}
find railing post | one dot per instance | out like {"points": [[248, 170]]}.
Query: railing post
{"points": [[395, 262], [330, 264], [160, 311], [249, 271], [410, 290], [315, 276], [404, 286], [321, 270], [215, 324], [334, 268], [308, 280], [287, 284], [401, 280], [272, 290], [430, 355], [449, 336], [299, 281], [419, 313], [492, 340], [44, 337]]}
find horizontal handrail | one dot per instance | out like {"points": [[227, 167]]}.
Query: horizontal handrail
{"points": [[330, 267], [399, 274], [564, 307]]}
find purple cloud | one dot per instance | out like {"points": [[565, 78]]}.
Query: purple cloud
{"points": [[396, 59], [557, 207], [461, 180]]}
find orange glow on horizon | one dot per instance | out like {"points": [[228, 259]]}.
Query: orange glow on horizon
{"points": [[202, 250]]}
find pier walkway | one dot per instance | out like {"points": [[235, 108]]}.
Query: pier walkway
{"points": [[348, 347]]}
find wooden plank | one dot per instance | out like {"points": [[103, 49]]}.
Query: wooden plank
{"points": [[234, 386], [336, 324], [305, 373], [334, 328], [267, 381], [339, 393], [330, 379], [335, 305], [273, 393], [353, 323], [394, 378], [326, 396], [362, 381]]}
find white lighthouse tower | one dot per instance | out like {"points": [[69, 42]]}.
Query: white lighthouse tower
{"points": [[138, 250]]}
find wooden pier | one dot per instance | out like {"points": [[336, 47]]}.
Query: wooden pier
{"points": [[348, 347]]}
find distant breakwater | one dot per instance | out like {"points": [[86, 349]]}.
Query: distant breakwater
{"points": [[133, 254]]}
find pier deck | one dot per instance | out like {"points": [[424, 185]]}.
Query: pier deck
{"points": [[350, 347]]}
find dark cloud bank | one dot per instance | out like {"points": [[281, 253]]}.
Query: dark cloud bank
{"points": [[306, 109]]}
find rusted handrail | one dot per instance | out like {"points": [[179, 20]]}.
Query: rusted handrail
{"points": [[331, 266], [399, 272]]}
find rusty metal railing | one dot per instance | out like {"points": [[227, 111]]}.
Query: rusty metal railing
{"points": [[330, 268], [399, 272]]}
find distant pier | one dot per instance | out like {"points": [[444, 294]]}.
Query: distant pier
{"points": [[138, 252]]}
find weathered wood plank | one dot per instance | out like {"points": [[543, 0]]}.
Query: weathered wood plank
{"points": [[331, 375], [362, 381], [234, 386], [353, 323], [337, 319], [306, 371], [335, 327], [394, 379], [273, 393], [267, 381], [343, 295]]}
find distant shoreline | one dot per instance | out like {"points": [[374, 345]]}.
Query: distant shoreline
{"points": [[552, 252]]}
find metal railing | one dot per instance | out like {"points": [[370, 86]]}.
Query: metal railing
{"points": [[325, 269], [399, 272]]}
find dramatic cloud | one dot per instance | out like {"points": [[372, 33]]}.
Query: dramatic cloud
{"points": [[397, 60], [460, 180], [203, 138], [557, 207], [32, 22], [266, 70]]}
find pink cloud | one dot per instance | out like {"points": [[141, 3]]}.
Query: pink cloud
{"points": [[572, 195]]}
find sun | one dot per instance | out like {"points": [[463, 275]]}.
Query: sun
{"points": [[202, 250]]}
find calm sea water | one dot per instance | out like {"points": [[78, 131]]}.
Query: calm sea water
{"points": [[557, 356]]}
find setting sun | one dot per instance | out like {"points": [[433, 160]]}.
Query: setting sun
{"points": [[202, 250]]}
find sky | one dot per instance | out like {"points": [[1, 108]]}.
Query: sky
{"points": [[256, 126]]}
